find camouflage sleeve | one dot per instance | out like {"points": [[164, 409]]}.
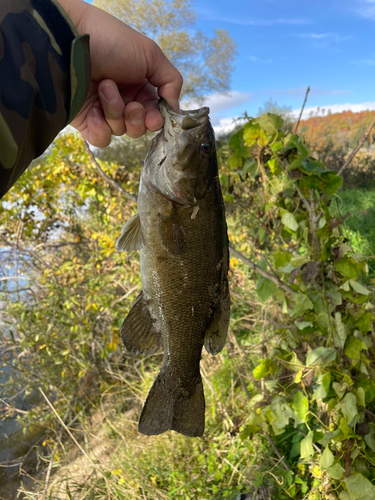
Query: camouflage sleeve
{"points": [[44, 78]]}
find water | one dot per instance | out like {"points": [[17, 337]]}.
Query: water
{"points": [[17, 454]]}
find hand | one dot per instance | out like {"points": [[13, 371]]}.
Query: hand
{"points": [[129, 72]]}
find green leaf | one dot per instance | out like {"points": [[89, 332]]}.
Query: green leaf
{"points": [[282, 258], [265, 289], [327, 458], [340, 335], [250, 429], [236, 143], [307, 449], [324, 382], [261, 370], [361, 397], [289, 221], [270, 122], [359, 488], [278, 414], [311, 167], [357, 287], [301, 304], [348, 267], [336, 471], [353, 348], [348, 407], [369, 438], [301, 407], [249, 167], [301, 325], [333, 182], [322, 356]]}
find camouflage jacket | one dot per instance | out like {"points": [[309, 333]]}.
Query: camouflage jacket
{"points": [[44, 78]]}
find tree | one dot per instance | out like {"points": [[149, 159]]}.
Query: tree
{"points": [[205, 63]]}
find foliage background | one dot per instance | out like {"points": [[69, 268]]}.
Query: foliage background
{"points": [[290, 400]]}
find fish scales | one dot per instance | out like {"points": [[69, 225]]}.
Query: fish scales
{"points": [[184, 304]]}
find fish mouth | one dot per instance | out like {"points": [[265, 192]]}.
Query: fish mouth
{"points": [[186, 120]]}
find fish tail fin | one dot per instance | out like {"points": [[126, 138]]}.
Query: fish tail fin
{"points": [[173, 404]]}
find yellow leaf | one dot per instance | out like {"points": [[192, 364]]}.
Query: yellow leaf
{"points": [[42, 346], [117, 471]]}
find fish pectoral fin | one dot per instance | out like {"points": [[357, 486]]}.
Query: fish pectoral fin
{"points": [[138, 332], [131, 235], [171, 232], [216, 333]]}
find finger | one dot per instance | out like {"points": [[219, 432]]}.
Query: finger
{"points": [[98, 132], [113, 106], [146, 95], [164, 76], [153, 119], [135, 119]]}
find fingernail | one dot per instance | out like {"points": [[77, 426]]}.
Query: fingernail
{"points": [[136, 117], [96, 114], [110, 92]]}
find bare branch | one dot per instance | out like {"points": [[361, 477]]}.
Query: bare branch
{"points": [[303, 107], [276, 450], [13, 278], [105, 176], [64, 244], [355, 151], [287, 289]]}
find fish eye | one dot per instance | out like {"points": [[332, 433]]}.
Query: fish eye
{"points": [[206, 147]]}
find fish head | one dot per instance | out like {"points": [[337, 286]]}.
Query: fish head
{"points": [[182, 157]]}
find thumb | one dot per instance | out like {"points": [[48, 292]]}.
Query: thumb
{"points": [[165, 77]]}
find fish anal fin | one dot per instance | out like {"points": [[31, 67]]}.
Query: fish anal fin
{"points": [[216, 333], [171, 232], [138, 332], [131, 235], [174, 405]]}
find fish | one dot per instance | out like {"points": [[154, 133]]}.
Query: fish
{"points": [[181, 232]]}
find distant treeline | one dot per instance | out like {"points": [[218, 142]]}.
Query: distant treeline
{"points": [[333, 136]]}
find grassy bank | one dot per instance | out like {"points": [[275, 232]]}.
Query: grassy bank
{"points": [[360, 225]]}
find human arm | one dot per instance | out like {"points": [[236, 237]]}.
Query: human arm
{"points": [[52, 64]]}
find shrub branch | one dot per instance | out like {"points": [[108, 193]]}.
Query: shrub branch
{"points": [[287, 289]]}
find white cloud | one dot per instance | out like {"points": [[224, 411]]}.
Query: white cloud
{"points": [[366, 9], [336, 108], [263, 61], [226, 125], [366, 62], [219, 103], [335, 37]]}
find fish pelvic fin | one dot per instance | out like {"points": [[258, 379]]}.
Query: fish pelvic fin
{"points": [[174, 405]]}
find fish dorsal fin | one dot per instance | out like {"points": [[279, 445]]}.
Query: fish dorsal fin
{"points": [[131, 235], [138, 331], [171, 232]]}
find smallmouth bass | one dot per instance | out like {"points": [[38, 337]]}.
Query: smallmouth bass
{"points": [[181, 231]]}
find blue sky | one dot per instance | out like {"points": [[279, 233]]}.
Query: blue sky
{"points": [[286, 45]]}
